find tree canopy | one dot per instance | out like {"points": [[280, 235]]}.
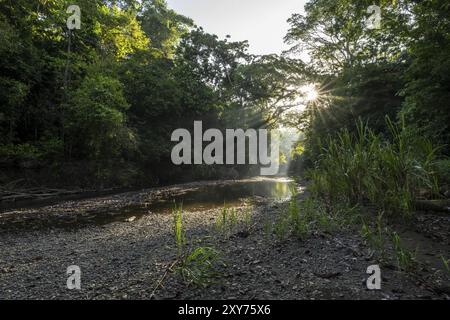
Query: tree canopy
{"points": [[109, 94]]}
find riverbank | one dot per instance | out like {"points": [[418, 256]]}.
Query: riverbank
{"points": [[125, 258]]}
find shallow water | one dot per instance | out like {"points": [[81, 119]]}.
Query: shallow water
{"points": [[210, 197], [201, 197]]}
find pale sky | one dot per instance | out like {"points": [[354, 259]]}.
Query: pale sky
{"points": [[261, 22]]}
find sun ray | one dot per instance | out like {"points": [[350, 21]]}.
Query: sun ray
{"points": [[309, 92]]}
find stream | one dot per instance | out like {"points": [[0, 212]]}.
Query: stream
{"points": [[124, 244], [130, 206]]}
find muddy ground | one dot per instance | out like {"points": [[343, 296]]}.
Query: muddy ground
{"points": [[123, 258]]}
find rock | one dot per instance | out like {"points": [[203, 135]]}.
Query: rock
{"points": [[130, 219], [243, 234]]}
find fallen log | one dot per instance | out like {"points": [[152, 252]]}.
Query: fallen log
{"points": [[433, 205], [16, 197], [37, 194]]}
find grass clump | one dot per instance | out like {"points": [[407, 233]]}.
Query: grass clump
{"points": [[380, 239], [281, 228], [376, 237], [179, 229], [406, 259], [303, 218], [365, 167], [197, 266], [226, 221], [232, 220]]}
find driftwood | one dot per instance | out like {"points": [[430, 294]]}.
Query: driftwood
{"points": [[433, 205], [33, 193], [163, 278]]}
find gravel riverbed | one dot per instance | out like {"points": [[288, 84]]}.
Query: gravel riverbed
{"points": [[125, 258]]}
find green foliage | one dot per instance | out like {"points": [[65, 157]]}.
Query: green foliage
{"points": [[232, 220], [200, 266], [399, 70], [333, 32], [406, 260], [381, 239], [163, 26], [364, 167], [301, 219], [301, 222], [19, 152], [442, 168], [281, 227], [122, 35], [179, 229], [446, 264], [247, 220], [427, 90], [223, 223], [96, 122], [376, 237], [135, 71], [51, 148]]}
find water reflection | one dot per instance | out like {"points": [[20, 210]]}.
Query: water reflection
{"points": [[205, 197], [210, 197]]}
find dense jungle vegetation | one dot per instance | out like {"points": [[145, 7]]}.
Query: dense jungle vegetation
{"points": [[96, 106]]}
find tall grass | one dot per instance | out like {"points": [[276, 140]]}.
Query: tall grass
{"points": [[376, 237], [383, 240], [226, 221], [179, 230], [197, 266], [365, 167], [406, 259], [232, 221], [308, 216], [200, 267]]}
